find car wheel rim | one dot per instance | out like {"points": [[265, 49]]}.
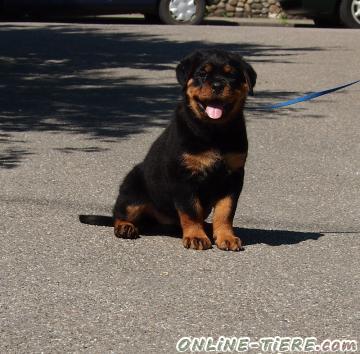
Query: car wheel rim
{"points": [[182, 10], [355, 10]]}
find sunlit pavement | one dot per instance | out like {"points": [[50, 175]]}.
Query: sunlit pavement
{"points": [[80, 104]]}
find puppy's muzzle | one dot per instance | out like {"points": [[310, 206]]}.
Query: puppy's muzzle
{"points": [[217, 87]]}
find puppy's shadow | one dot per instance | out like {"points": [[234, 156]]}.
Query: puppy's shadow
{"points": [[248, 236], [274, 237]]}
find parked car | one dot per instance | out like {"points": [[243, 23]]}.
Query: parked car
{"points": [[326, 12], [167, 11]]}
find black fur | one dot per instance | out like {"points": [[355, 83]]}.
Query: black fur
{"points": [[162, 180]]}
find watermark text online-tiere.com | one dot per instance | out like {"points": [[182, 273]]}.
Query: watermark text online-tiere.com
{"points": [[265, 345]]}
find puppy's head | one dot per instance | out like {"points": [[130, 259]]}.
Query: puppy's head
{"points": [[216, 84]]}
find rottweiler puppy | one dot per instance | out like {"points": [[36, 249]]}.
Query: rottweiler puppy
{"points": [[197, 164]]}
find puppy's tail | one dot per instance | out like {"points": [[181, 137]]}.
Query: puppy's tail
{"points": [[98, 220]]}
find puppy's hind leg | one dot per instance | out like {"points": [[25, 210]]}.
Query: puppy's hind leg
{"points": [[124, 226], [131, 204]]}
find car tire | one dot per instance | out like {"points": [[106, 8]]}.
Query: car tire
{"points": [[193, 16], [350, 13]]}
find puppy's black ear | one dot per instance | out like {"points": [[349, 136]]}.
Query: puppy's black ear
{"points": [[248, 70], [250, 76], [186, 67]]}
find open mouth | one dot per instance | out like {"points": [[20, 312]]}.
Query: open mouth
{"points": [[214, 109]]}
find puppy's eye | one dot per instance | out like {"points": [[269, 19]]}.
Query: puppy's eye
{"points": [[203, 75]]}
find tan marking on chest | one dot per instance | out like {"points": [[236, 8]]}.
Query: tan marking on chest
{"points": [[198, 163], [235, 161]]}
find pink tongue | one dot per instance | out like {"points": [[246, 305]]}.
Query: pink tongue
{"points": [[214, 112]]}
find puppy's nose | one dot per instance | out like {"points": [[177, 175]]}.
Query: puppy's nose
{"points": [[217, 86]]}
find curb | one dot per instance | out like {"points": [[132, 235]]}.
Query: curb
{"points": [[263, 22]]}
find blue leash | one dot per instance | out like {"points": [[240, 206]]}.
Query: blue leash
{"points": [[307, 97]]}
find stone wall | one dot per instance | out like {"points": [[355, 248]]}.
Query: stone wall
{"points": [[247, 8]]}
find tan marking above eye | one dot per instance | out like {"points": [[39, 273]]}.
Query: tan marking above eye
{"points": [[208, 68], [198, 163], [229, 69]]}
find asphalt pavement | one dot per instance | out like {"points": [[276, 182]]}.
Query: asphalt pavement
{"points": [[80, 105]]}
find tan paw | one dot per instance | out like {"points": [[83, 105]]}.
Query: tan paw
{"points": [[197, 242], [229, 243]]}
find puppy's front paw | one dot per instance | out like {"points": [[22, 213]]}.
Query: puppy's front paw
{"points": [[125, 229], [229, 243], [197, 242]]}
